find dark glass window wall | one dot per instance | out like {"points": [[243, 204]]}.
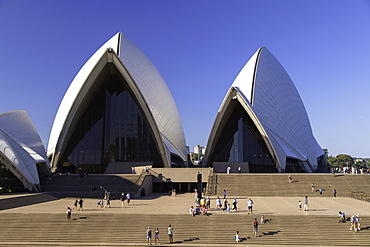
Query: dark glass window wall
{"points": [[240, 141], [112, 128]]}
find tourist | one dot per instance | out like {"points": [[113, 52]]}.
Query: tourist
{"points": [[218, 203], [228, 208], [156, 236], [300, 205], [192, 211], [357, 223], [334, 192], [170, 233], [75, 204], [262, 219], [228, 170], [224, 194], [320, 192], [225, 204], [69, 213], [240, 169], [99, 203], [353, 223], [148, 236], [289, 179], [80, 202], [128, 197], [107, 202], [208, 203], [236, 237], [235, 208], [313, 187], [305, 202], [123, 198], [250, 206], [342, 217], [202, 202], [255, 227]]}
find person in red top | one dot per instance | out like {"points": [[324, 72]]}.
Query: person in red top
{"points": [[255, 227]]}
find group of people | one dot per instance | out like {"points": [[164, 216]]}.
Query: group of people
{"points": [[305, 204], [106, 201], [77, 205], [226, 206], [321, 190], [202, 205], [228, 169], [149, 234], [354, 220]]}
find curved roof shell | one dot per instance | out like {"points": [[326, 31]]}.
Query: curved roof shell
{"points": [[269, 96], [146, 81], [21, 148]]}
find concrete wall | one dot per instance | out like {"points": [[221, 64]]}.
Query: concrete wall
{"points": [[179, 175], [220, 167], [147, 185], [126, 167]]}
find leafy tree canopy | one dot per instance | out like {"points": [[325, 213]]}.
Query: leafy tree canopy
{"points": [[341, 160]]}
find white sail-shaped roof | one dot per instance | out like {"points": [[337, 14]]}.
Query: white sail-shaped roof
{"points": [[21, 148], [269, 96], [148, 82]]}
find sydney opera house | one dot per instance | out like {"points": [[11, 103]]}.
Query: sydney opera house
{"points": [[118, 113], [22, 154], [262, 124]]}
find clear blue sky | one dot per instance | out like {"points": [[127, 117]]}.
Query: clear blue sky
{"points": [[199, 48]]}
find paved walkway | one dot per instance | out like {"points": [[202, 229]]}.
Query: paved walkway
{"points": [[163, 204]]}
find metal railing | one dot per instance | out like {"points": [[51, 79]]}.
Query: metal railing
{"points": [[159, 176], [360, 196]]}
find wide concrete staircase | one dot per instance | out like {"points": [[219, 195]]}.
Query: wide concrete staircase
{"points": [[89, 187], [278, 185], [106, 229]]}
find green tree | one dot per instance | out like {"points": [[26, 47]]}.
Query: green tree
{"points": [[341, 160]]}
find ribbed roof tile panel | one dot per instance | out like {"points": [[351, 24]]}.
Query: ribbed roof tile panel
{"points": [[278, 105], [155, 92], [22, 145]]}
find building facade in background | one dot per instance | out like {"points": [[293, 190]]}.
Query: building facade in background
{"points": [[117, 113], [262, 124], [23, 160]]}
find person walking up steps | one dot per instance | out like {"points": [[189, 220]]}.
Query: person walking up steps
{"points": [[170, 233], [255, 227]]}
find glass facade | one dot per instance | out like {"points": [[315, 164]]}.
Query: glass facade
{"points": [[8, 182], [240, 141], [111, 128]]}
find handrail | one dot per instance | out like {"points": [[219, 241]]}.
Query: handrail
{"points": [[360, 196], [210, 183], [141, 177], [158, 175]]}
